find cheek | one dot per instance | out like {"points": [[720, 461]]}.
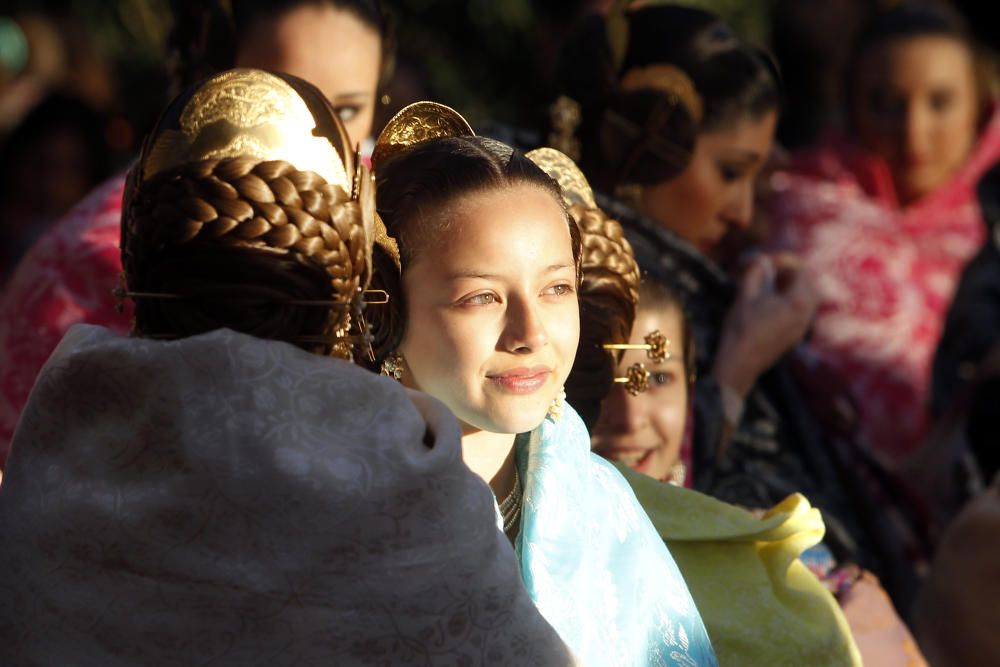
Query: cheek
{"points": [[668, 414]]}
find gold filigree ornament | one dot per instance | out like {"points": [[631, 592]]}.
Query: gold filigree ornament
{"points": [[412, 125], [252, 113], [636, 379], [572, 182], [668, 79], [415, 124]]}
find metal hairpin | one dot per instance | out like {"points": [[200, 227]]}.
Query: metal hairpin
{"points": [[381, 295], [657, 347]]}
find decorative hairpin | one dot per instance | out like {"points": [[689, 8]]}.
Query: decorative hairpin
{"points": [[565, 115], [657, 347], [414, 124], [380, 297], [636, 379]]}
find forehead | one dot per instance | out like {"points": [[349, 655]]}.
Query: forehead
{"points": [[745, 133], [501, 229], [912, 62], [327, 46]]}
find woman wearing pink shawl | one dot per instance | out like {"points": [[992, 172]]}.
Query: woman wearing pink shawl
{"points": [[888, 218]]}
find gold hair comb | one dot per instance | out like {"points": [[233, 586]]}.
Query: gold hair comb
{"points": [[636, 379]]}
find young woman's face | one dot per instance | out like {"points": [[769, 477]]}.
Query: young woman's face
{"points": [[917, 107], [716, 190], [646, 431], [492, 314], [328, 47]]}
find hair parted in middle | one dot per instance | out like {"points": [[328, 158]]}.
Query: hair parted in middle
{"points": [[426, 159], [248, 210]]}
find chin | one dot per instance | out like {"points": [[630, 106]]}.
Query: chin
{"points": [[519, 422]]}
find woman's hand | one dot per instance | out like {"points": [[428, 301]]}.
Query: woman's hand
{"points": [[772, 312]]}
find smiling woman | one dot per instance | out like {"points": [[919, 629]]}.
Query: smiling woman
{"points": [[480, 259]]}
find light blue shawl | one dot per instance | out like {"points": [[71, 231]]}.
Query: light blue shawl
{"points": [[592, 561]]}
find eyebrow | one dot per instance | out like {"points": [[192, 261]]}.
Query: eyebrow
{"points": [[344, 97], [458, 275], [743, 156]]}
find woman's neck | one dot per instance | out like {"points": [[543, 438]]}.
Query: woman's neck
{"points": [[491, 456]]}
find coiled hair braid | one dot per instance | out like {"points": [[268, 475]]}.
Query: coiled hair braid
{"points": [[238, 239]]}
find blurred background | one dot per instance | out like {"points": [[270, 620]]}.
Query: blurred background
{"points": [[81, 81]]}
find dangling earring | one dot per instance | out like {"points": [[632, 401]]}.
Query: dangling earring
{"points": [[392, 366], [556, 407]]}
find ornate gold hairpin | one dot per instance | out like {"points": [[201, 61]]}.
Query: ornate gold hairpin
{"points": [[657, 347], [572, 182], [249, 113], [636, 379], [565, 115], [379, 297], [668, 79], [414, 124]]}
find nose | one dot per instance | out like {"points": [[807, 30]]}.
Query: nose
{"points": [[624, 413], [739, 207], [524, 331], [914, 131]]}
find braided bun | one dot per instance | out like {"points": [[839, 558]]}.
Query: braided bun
{"points": [[247, 202], [608, 295]]}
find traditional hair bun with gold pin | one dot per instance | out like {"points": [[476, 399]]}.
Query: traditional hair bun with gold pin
{"points": [[253, 163]]}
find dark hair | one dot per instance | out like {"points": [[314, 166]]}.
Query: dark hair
{"points": [[655, 294], [206, 34], [419, 182], [58, 111], [919, 18], [654, 135], [608, 295]]}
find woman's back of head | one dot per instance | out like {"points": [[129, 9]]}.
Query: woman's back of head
{"points": [[239, 216]]}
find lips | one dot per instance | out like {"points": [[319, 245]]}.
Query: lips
{"points": [[637, 459], [521, 380]]}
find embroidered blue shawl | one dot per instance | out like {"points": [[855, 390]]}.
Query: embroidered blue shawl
{"points": [[592, 561]]}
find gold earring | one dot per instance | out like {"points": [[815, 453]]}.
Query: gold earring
{"points": [[556, 407], [392, 366]]}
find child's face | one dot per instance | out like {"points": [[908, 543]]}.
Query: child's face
{"points": [[645, 431]]}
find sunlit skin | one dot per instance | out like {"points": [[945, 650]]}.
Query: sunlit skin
{"points": [[493, 319], [328, 47], [716, 191], [917, 107], [646, 431]]}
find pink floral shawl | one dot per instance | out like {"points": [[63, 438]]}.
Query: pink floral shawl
{"points": [[886, 274]]}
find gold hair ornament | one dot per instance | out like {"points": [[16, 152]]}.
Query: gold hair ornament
{"points": [[565, 115], [249, 113], [636, 379], [573, 184], [657, 347], [668, 79], [414, 124]]}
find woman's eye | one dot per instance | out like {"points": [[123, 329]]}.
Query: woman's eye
{"points": [[730, 173], [940, 101], [484, 299], [560, 290], [348, 112], [661, 378]]}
